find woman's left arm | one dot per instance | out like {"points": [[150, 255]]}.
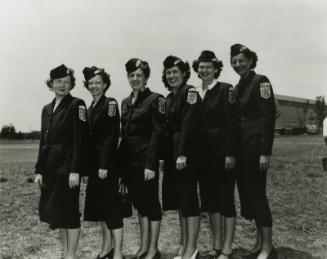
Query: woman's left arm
{"points": [[79, 143]]}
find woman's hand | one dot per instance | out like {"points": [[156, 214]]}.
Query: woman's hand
{"points": [[73, 180], [38, 180], [264, 162], [229, 162], [149, 174], [181, 162], [103, 173]]}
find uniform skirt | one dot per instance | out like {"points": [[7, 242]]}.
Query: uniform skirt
{"points": [[179, 189], [102, 201], [217, 187], [144, 194], [59, 204], [251, 185]]}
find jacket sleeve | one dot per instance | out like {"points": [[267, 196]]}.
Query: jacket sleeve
{"points": [[230, 121], [159, 129], [79, 138], [40, 163], [266, 103], [189, 120], [110, 142]]}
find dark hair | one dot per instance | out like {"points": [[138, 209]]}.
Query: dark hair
{"points": [[135, 63], [217, 64], [105, 78], [172, 61], [251, 55], [49, 81]]}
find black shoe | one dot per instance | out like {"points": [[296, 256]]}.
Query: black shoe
{"points": [[272, 254], [109, 255], [157, 255], [253, 255], [217, 251], [141, 256]]}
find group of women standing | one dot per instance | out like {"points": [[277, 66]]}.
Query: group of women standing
{"points": [[211, 135]]}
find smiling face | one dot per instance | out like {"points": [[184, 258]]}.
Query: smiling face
{"points": [[207, 71], [137, 80], [96, 86], [61, 86], [241, 64], [175, 77]]}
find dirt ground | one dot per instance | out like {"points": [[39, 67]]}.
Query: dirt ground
{"points": [[297, 188]]}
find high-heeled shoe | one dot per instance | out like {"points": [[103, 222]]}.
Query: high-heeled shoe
{"points": [[252, 255], [272, 254], [109, 255], [196, 254], [157, 255], [140, 256]]}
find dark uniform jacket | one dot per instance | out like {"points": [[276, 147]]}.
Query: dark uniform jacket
{"points": [[183, 118], [257, 114], [142, 128], [218, 121], [103, 134], [63, 138]]}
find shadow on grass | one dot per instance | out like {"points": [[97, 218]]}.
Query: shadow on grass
{"points": [[283, 253]]}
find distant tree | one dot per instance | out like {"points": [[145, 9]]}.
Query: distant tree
{"points": [[8, 131], [320, 109]]}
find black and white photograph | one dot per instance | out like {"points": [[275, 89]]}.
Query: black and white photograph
{"points": [[172, 129]]}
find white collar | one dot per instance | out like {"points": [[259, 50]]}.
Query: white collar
{"points": [[209, 87]]}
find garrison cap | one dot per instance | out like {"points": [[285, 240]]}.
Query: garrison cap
{"points": [[59, 72], [135, 63], [171, 61], [238, 48], [90, 72], [207, 56]]}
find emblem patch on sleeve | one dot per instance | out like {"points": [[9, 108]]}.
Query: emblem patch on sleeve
{"points": [[161, 105], [231, 96], [112, 108], [265, 91], [82, 112], [192, 96]]}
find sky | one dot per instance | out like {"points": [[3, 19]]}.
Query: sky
{"points": [[288, 36]]}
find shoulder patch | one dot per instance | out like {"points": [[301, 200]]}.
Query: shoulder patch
{"points": [[82, 112], [265, 91], [192, 96], [112, 108], [161, 105], [231, 96]]}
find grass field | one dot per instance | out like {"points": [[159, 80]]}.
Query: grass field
{"points": [[297, 188]]}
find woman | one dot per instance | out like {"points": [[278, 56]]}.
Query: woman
{"points": [[179, 189], [102, 201], [142, 126], [257, 122], [217, 181], [61, 159]]}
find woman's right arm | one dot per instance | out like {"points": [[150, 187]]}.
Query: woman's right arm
{"points": [[40, 164]]}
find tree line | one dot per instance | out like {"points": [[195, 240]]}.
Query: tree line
{"points": [[9, 131]]}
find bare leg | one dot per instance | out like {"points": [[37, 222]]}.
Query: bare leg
{"points": [[117, 235], [106, 239], [154, 236], [63, 234], [229, 229], [145, 229], [267, 245], [216, 226], [72, 240], [193, 226], [182, 223]]}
